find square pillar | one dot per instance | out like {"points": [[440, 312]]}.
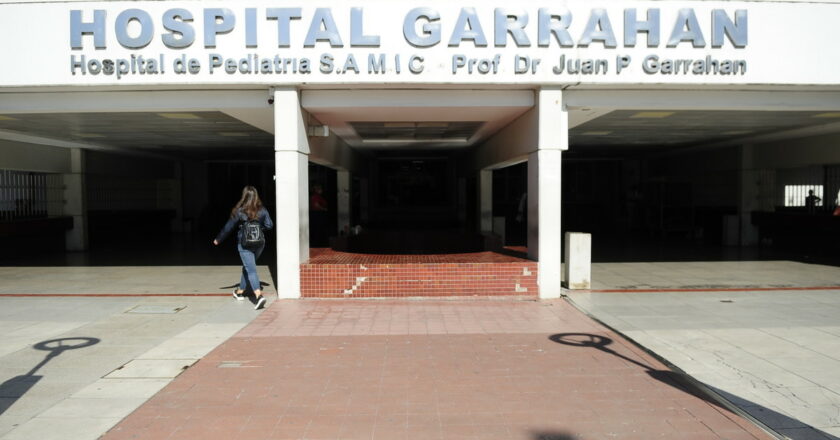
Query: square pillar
{"points": [[748, 200], [545, 243], [485, 200], [291, 171], [343, 195], [75, 197], [545, 237]]}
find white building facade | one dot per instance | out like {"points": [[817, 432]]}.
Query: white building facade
{"points": [[526, 75]]}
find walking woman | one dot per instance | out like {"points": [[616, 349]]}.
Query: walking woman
{"points": [[252, 218]]}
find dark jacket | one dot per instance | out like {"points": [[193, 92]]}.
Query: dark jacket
{"points": [[238, 219]]}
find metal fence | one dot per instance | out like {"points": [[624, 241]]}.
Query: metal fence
{"points": [[27, 195]]}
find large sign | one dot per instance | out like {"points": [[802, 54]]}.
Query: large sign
{"points": [[177, 42], [423, 29]]}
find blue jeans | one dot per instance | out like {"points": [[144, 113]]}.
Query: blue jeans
{"points": [[249, 268]]}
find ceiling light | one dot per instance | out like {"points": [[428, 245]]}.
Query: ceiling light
{"points": [[651, 115], [318, 131], [827, 115], [178, 116], [233, 134], [595, 133], [7, 118], [736, 132], [90, 135]]}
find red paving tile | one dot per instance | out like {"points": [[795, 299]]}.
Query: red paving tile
{"points": [[428, 370]]}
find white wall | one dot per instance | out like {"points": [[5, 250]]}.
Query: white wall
{"points": [[332, 152], [511, 144], [816, 150], [31, 157], [789, 43]]}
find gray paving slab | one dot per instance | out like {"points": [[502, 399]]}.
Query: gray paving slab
{"points": [[70, 394], [151, 369], [772, 353], [121, 388], [116, 280], [699, 275]]}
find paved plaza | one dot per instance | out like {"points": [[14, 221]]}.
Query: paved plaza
{"points": [[89, 352], [776, 354], [429, 370]]}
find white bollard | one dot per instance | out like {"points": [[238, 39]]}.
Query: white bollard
{"points": [[577, 272]]}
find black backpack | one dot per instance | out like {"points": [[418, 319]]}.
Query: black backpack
{"points": [[252, 236]]}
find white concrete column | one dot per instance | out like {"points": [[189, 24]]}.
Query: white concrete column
{"points": [[485, 200], [343, 195], [545, 241], [75, 199], [545, 238], [291, 165]]}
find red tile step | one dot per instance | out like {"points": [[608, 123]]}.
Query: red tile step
{"points": [[390, 276]]}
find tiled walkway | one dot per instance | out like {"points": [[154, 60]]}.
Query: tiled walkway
{"points": [[428, 370]]}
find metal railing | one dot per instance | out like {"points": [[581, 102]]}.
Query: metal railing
{"points": [[27, 195]]}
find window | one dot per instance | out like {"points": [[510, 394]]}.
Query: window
{"points": [[795, 195]]}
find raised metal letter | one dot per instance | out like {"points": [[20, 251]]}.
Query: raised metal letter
{"points": [[177, 22], [468, 17], [632, 27], [147, 28], [97, 29], [250, 27], [323, 16], [283, 16], [357, 34], [515, 27], [686, 28], [217, 21], [736, 32], [556, 23], [598, 19], [430, 32]]}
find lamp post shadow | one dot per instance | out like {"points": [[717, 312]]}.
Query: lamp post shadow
{"points": [[771, 420], [14, 388]]}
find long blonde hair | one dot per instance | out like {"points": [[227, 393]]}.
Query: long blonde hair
{"points": [[250, 203]]}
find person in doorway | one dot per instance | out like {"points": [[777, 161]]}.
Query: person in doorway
{"points": [[837, 204], [811, 202], [317, 202], [248, 209]]}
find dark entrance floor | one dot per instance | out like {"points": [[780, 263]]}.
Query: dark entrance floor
{"points": [[130, 249]]}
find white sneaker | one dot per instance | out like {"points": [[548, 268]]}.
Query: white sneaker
{"points": [[260, 303], [238, 296]]}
